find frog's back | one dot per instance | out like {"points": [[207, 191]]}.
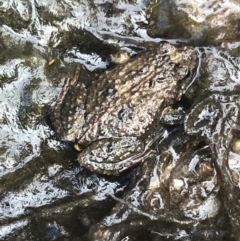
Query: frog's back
{"points": [[126, 100]]}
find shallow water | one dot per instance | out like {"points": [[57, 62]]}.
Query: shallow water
{"points": [[44, 193]]}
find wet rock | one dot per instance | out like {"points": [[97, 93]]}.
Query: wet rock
{"points": [[216, 120], [167, 194], [44, 196], [210, 22]]}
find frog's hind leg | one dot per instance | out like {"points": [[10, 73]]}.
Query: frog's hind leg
{"points": [[67, 114]]}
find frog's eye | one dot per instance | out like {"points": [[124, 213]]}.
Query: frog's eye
{"points": [[159, 80]]}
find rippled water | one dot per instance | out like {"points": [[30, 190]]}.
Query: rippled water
{"points": [[44, 194]]}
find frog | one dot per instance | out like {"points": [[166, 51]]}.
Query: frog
{"points": [[115, 120]]}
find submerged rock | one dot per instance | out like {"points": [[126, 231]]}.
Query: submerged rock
{"points": [[210, 22]]}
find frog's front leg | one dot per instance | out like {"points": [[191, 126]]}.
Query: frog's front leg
{"points": [[67, 114]]}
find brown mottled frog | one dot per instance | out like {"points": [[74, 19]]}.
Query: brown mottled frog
{"points": [[115, 119]]}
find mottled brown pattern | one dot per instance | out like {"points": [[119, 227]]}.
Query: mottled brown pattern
{"points": [[123, 103]]}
